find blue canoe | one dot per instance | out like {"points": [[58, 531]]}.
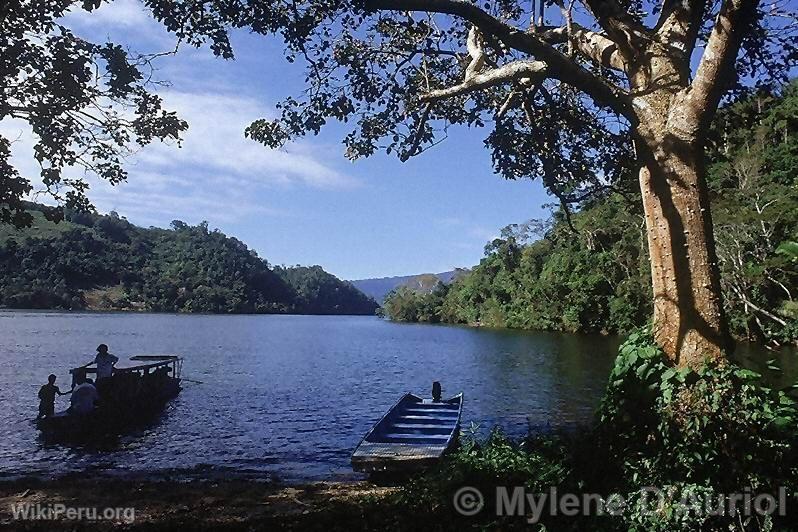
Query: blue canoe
{"points": [[413, 434]]}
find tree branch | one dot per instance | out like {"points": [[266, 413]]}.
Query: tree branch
{"points": [[717, 62], [679, 24], [415, 142], [619, 25], [503, 74], [559, 66], [598, 48]]}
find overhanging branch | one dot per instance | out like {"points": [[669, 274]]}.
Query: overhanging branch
{"points": [[598, 48], [715, 69], [559, 66], [619, 25], [503, 74], [679, 24]]}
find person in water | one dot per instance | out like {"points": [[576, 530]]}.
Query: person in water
{"points": [[84, 396], [105, 362], [47, 395]]}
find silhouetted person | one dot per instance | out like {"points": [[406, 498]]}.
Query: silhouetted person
{"points": [[105, 362], [84, 395], [436, 392], [47, 395]]}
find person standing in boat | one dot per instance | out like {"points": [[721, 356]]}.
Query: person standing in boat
{"points": [[47, 395], [105, 362]]}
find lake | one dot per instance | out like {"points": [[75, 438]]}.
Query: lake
{"points": [[290, 396]]}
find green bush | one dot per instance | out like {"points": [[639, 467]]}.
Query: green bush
{"points": [[694, 435], [718, 425]]}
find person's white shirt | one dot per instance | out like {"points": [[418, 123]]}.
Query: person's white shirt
{"points": [[105, 365], [83, 398]]}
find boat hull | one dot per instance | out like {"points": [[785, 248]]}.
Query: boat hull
{"points": [[414, 434], [120, 409]]}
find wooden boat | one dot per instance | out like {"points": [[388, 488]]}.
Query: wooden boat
{"points": [[413, 434], [132, 395]]}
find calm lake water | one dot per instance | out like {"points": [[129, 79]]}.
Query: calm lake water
{"points": [[290, 396]]}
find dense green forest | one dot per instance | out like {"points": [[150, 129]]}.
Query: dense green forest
{"points": [[105, 262], [589, 271]]}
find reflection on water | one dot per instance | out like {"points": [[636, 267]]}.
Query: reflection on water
{"points": [[290, 395]]}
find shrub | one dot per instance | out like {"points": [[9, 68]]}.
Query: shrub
{"points": [[714, 430], [694, 435]]}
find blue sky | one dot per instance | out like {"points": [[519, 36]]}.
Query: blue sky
{"points": [[305, 204]]}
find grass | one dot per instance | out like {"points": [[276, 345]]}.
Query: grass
{"points": [[41, 228]]}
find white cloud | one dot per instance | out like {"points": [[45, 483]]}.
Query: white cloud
{"points": [[117, 19], [216, 146], [21, 138], [464, 227], [146, 204], [119, 13], [214, 166], [216, 173]]}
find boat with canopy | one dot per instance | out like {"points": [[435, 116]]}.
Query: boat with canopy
{"points": [[136, 391]]}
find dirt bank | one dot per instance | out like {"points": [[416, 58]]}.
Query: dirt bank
{"points": [[168, 505]]}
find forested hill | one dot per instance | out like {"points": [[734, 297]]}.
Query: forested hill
{"points": [[593, 274], [105, 262]]}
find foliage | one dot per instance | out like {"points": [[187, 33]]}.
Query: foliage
{"points": [[318, 292], [713, 430], [693, 435], [106, 262], [789, 249], [596, 280], [590, 273], [87, 104], [369, 65], [407, 304], [667, 423], [754, 158], [537, 464]]}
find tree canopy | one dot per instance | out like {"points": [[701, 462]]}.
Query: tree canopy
{"points": [[393, 69]]}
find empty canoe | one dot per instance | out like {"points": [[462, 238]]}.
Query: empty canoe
{"points": [[414, 433]]}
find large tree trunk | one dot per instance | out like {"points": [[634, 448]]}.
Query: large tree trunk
{"points": [[689, 322]]}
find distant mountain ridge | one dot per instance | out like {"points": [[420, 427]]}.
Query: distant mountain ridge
{"points": [[379, 287]]}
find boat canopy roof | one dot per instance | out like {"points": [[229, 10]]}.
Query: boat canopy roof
{"points": [[145, 362]]}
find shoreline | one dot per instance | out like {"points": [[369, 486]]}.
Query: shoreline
{"points": [[195, 504], [163, 313]]}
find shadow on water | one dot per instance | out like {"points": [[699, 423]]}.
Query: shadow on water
{"points": [[99, 438]]}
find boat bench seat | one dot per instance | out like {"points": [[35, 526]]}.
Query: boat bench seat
{"points": [[424, 419], [415, 437], [434, 412], [424, 426]]}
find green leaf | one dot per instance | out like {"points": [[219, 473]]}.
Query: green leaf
{"points": [[747, 374], [789, 249]]}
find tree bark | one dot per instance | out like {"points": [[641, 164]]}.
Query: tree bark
{"points": [[689, 321]]}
